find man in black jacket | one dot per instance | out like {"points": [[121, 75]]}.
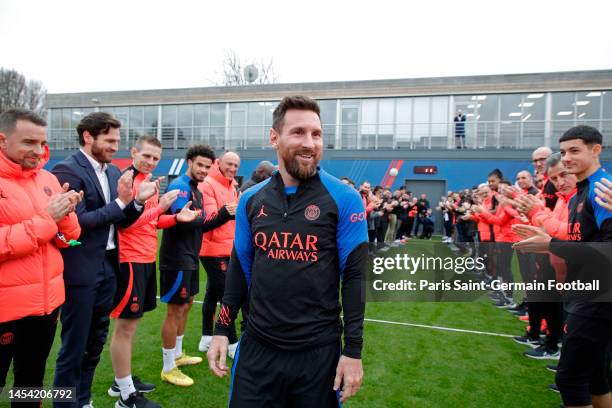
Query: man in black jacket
{"points": [[583, 376], [301, 238], [179, 262], [90, 268], [263, 170]]}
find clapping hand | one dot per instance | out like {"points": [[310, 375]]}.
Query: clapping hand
{"points": [[603, 189], [147, 188], [124, 187], [186, 214]]}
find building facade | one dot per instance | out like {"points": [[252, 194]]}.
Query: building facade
{"points": [[367, 124]]}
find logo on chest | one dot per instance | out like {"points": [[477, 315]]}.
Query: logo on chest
{"points": [[312, 212], [48, 191], [288, 246], [573, 231]]}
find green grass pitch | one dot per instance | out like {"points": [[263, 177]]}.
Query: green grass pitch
{"points": [[404, 366]]}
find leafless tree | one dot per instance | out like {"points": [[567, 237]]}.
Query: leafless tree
{"points": [[233, 71], [18, 92]]}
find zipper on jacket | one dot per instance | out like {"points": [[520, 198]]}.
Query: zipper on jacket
{"points": [[33, 187]]}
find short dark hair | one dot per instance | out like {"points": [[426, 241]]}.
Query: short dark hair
{"points": [[348, 180], [497, 173], [506, 182], [552, 161], [9, 118], [96, 123], [292, 102], [200, 150], [152, 140], [588, 134]]}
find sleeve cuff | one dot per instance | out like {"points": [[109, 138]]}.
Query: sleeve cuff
{"points": [[120, 204], [352, 351], [221, 330]]}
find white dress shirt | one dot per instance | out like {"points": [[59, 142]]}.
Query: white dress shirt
{"points": [[100, 169]]}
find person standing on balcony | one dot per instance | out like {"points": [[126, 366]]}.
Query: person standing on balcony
{"points": [[460, 130]]}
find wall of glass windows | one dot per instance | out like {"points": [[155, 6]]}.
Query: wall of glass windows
{"points": [[498, 121]]}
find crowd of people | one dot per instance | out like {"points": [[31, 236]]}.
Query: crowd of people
{"points": [[79, 245], [558, 222]]}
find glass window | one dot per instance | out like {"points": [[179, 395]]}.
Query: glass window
{"points": [[217, 125], [217, 114], [606, 123], [386, 123], [369, 108], [588, 109], [185, 115], [256, 131], [421, 120], [607, 104], [532, 120], [66, 114], [328, 120], [511, 113], [201, 115], [121, 113], [268, 115], [136, 116], [169, 126], [150, 116], [563, 113], [201, 121], [56, 118], [237, 128], [184, 133], [439, 121], [169, 115], [350, 122], [150, 120], [404, 122], [484, 121], [488, 109]]}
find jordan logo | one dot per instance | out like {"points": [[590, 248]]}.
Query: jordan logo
{"points": [[262, 213]]}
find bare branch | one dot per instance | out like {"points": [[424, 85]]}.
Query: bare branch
{"points": [[233, 71], [17, 92]]}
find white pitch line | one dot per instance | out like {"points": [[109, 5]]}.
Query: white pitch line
{"points": [[424, 326]]}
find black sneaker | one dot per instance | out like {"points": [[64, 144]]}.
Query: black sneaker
{"points": [[552, 368], [141, 387], [553, 387], [521, 307], [136, 400], [543, 353], [527, 341], [505, 303], [519, 313]]}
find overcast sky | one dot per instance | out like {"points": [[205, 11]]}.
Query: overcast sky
{"points": [[82, 45]]}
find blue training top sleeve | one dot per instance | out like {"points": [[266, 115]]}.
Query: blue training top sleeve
{"points": [[601, 213], [183, 196], [352, 229], [243, 238]]}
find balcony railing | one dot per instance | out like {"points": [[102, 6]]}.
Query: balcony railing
{"points": [[375, 136]]}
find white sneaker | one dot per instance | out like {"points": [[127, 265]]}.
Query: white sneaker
{"points": [[204, 343], [231, 350], [90, 405]]}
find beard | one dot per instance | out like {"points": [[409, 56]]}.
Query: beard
{"points": [[295, 169], [98, 154]]}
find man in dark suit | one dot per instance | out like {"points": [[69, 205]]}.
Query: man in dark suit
{"points": [[89, 269]]}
